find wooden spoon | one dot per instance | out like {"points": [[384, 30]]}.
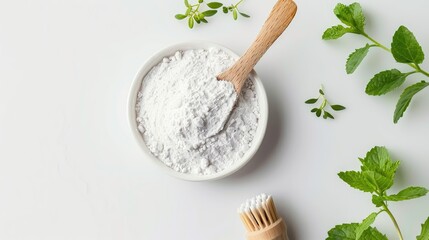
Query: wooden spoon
{"points": [[278, 20]]}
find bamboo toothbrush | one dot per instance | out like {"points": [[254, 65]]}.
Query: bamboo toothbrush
{"points": [[259, 216]]}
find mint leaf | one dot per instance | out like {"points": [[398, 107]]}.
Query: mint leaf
{"points": [[405, 48], [385, 82], [209, 13], [373, 234], [344, 231], [424, 235], [365, 224], [311, 101], [234, 14], [328, 115], [348, 232], [407, 194], [405, 99], [337, 107], [357, 180], [336, 32], [356, 58], [180, 16], [214, 5], [191, 22], [358, 16], [378, 160], [381, 182], [244, 15], [351, 15], [377, 200]]}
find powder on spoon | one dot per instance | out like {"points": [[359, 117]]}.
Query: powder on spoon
{"points": [[183, 112]]}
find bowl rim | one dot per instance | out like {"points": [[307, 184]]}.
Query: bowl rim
{"points": [[132, 99]]}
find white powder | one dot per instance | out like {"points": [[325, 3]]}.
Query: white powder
{"points": [[182, 109]]}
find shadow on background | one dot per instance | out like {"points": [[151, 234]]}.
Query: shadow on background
{"points": [[272, 136]]}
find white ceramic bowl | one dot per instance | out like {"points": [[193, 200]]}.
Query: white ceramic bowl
{"points": [[260, 131]]}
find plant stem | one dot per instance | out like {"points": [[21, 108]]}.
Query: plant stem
{"points": [[198, 7], [421, 70], [376, 43], [238, 3], [324, 102], [415, 66], [398, 230]]}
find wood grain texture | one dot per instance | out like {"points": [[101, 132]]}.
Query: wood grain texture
{"points": [[279, 19], [276, 231]]}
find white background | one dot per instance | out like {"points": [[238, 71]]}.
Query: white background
{"points": [[70, 169]]}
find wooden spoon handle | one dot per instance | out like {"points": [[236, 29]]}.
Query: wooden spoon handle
{"points": [[280, 17]]}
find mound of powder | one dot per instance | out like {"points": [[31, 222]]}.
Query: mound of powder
{"points": [[183, 112]]}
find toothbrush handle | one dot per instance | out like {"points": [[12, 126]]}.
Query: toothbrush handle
{"points": [[276, 231]]}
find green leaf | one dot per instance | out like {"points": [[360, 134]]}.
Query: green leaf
{"points": [[214, 5], [328, 115], [377, 200], [318, 112], [356, 58], [204, 20], [197, 18], [338, 107], [209, 13], [234, 14], [378, 160], [357, 180], [187, 3], [336, 32], [373, 234], [424, 234], [358, 16], [351, 15], [381, 182], [188, 11], [191, 22], [180, 16], [405, 48], [344, 231], [244, 15], [405, 99], [225, 9], [314, 110], [348, 232], [311, 101], [365, 224], [321, 92], [385, 82], [200, 1], [407, 194]]}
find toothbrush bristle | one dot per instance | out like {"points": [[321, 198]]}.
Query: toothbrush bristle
{"points": [[258, 212]]}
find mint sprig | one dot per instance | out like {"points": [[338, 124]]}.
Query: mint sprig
{"points": [[321, 110], [376, 176], [195, 14], [404, 49]]}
